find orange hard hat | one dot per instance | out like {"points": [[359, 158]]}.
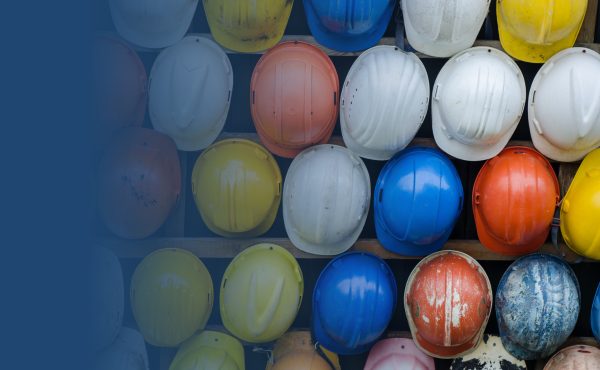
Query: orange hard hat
{"points": [[514, 199], [119, 88], [294, 98], [448, 300], [139, 181], [294, 350]]}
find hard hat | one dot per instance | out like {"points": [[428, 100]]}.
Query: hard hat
{"points": [[533, 31], [209, 350], [190, 91], [353, 302], [171, 296], [537, 305], [296, 351], [397, 354], [457, 282], [327, 195], [442, 29], [294, 98], [580, 210], [478, 99], [514, 197], [348, 25], [490, 354], [245, 26], [126, 352], [418, 198], [382, 109], [575, 358], [261, 293], [152, 24], [139, 182], [237, 188], [106, 300], [119, 86], [595, 319], [564, 105]]}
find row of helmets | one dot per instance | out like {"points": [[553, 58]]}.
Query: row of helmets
{"points": [[447, 301], [477, 99], [531, 31], [237, 187]]}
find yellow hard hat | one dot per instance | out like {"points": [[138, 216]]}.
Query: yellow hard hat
{"points": [[237, 188], [247, 26], [209, 350], [295, 351], [261, 292], [580, 210], [171, 296], [535, 30]]}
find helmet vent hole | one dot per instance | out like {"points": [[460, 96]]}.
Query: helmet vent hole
{"points": [[402, 347], [216, 339], [332, 147], [224, 283], [270, 248], [583, 51], [197, 40], [489, 50]]}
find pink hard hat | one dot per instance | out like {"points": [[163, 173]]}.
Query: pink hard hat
{"points": [[398, 353]]}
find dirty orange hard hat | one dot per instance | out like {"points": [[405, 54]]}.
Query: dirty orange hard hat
{"points": [[294, 95], [447, 301], [119, 88], [139, 181], [514, 198]]}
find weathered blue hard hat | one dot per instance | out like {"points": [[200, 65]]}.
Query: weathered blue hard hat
{"points": [[348, 25], [353, 302], [537, 305], [595, 320], [418, 199]]}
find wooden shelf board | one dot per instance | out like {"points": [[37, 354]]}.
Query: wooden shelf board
{"points": [[311, 40]]}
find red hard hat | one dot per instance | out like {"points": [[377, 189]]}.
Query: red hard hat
{"points": [[139, 181], [294, 96], [448, 300], [119, 86], [514, 198]]}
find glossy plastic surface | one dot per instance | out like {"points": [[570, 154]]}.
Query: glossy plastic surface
{"points": [[261, 292], [398, 354], [580, 209], [247, 27], [447, 301], [119, 87], [209, 350], [139, 182], [514, 198], [595, 319], [529, 287], [237, 188], [295, 351], [348, 25], [533, 31], [190, 91], [171, 296], [418, 199], [353, 302], [294, 97]]}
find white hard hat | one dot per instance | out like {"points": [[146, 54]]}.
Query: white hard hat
{"points": [[384, 102], [477, 102], [441, 28], [564, 105], [152, 24], [106, 300], [326, 198], [126, 352], [189, 92]]}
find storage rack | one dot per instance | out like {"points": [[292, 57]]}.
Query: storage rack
{"points": [[217, 247]]}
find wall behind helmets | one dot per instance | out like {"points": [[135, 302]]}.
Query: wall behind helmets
{"points": [[240, 120]]}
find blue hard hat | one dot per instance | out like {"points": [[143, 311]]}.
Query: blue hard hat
{"points": [[418, 198], [353, 302], [596, 315], [348, 25], [537, 305]]}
